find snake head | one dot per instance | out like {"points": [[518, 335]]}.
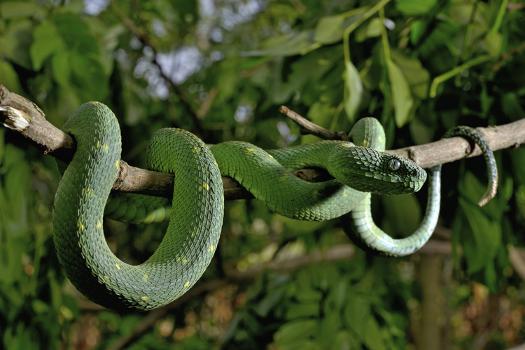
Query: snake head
{"points": [[368, 170]]}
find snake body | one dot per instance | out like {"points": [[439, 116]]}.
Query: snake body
{"points": [[196, 212], [189, 242]]}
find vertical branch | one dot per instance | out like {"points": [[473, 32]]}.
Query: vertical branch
{"points": [[432, 302]]}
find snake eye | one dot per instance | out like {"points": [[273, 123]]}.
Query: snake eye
{"points": [[394, 164]]}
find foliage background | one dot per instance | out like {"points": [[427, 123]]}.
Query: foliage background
{"points": [[221, 69]]}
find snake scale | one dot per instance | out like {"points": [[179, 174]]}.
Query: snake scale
{"points": [[197, 206]]}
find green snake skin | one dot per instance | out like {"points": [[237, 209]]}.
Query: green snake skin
{"points": [[196, 212], [373, 238], [189, 242]]}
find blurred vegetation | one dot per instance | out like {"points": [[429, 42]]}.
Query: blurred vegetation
{"points": [[221, 69]]}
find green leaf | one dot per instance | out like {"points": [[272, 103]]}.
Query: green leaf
{"points": [[353, 91], [356, 314], [402, 98], [345, 340], [417, 28], [415, 7], [9, 77], [321, 114], [19, 9], [87, 74], [512, 106], [403, 213], [60, 67], [494, 43], [329, 29], [270, 300], [46, 41], [330, 325], [15, 43], [486, 233], [295, 331], [371, 30], [415, 74], [76, 34], [373, 337], [520, 201], [518, 164], [291, 44], [294, 311]]}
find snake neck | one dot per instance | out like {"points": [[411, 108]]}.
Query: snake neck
{"points": [[306, 156]]}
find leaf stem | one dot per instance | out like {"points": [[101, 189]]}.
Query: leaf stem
{"points": [[346, 35], [384, 37], [499, 18], [453, 72]]}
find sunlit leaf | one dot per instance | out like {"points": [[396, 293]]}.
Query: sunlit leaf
{"points": [[295, 331], [60, 65], [17, 9], [402, 97], [46, 41], [9, 78], [329, 29], [298, 43], [415, 74], [415, 7], [353, 90], [371, 29]]}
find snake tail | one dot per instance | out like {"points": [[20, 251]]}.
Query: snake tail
{"points": [[474, 136], [190, 240]]}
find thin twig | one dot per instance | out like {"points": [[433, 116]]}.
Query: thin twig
{"points": [[307, 127], [57, 143]]}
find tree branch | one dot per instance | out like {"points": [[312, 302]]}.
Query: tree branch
{"points": [[23, 116], [307, 127]]}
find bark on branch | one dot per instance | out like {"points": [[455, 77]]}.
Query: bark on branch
{"points": [[24, 116]]}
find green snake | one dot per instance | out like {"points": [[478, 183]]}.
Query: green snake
{"points": [[197, 206]]}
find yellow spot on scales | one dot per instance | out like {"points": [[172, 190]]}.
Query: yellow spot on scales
{"points": [[211, 248], [145, 278], [104, 146], [206, 186], [144, 298], [117, 265], [117, 164], [88, 191], [187, 284], [196, 149], [249, 150], [99, 224], [80, 225], [182, 260]]}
